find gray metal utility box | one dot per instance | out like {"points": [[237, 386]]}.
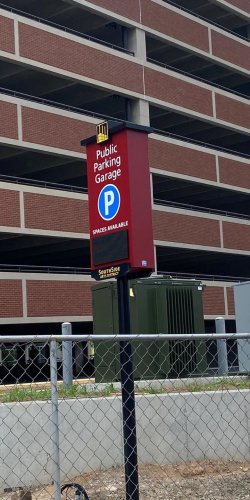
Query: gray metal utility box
{"points": [[242, 315], [157, 305]]}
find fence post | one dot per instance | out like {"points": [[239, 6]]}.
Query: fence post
{"points": [[67, 356], [55, 421], [221, 347]]}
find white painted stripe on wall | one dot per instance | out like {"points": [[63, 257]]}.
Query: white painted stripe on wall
{"points": [[202, 215], [225, 301], [197, 147], [214, 316], [214, 104], [233, 8], [22, 211], [200, 247], [45, 319], [23, 188], [41, 147], [199, 52], [19, 122], [24, 295], [199, 180], [194, 81], [210, 42], [16, 35], [225, 284], [218, 169], [7, 275], [43, 232], [221, 233]]}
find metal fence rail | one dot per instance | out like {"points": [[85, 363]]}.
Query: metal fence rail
{"points": [[64, 28], [62, 418], [94, 114], [210, 21]]}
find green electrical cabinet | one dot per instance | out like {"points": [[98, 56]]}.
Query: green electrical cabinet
{"points": [[157, 305]]}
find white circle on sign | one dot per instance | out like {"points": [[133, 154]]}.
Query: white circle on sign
{"points": [[109, 202]]}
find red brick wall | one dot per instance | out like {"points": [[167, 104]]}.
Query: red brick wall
{"points": [[58, 298], [71, 298], [230, 49], [185, 229], [230, 301], [213, 300], [57, 51], [176, 25], [176, 91], [234, 172], [236, 236], [55, 213], [182, 160], [40, 127], [232, 111], [7, 42], [9, 208], [11, 299], [128, 8], [8, 122]]}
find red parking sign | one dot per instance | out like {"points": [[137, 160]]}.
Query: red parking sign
{"points": [[120, 212]]}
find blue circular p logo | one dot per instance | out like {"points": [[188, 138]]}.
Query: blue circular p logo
{"points": [[109, 202]]}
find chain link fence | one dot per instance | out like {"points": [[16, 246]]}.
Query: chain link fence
{"points": [[62, 417]]}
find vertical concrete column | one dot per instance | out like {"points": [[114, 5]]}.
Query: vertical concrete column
{"points": [[138, 112], [136, 42], [221, 347], [137, 109]]}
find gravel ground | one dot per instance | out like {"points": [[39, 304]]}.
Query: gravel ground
{"points": [[207, 480]]}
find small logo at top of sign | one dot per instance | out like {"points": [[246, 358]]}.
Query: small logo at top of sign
{"points": [[102, 133], [109, 202]]}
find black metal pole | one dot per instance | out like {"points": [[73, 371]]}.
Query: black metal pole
{"points": [[128, 394]]}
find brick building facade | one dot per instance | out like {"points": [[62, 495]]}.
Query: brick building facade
{"points": [[65, 65]]}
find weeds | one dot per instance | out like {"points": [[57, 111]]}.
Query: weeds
{"points": [[20, 394]]}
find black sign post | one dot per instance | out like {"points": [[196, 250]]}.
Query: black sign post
{"points": [[128, 393]]}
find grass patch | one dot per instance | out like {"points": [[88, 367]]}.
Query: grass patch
{"points": [[21, 394], [215, 385], [220, 385], [24, 394]]}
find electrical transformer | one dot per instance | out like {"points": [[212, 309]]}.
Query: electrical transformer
{"points": [[157, 305]]}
